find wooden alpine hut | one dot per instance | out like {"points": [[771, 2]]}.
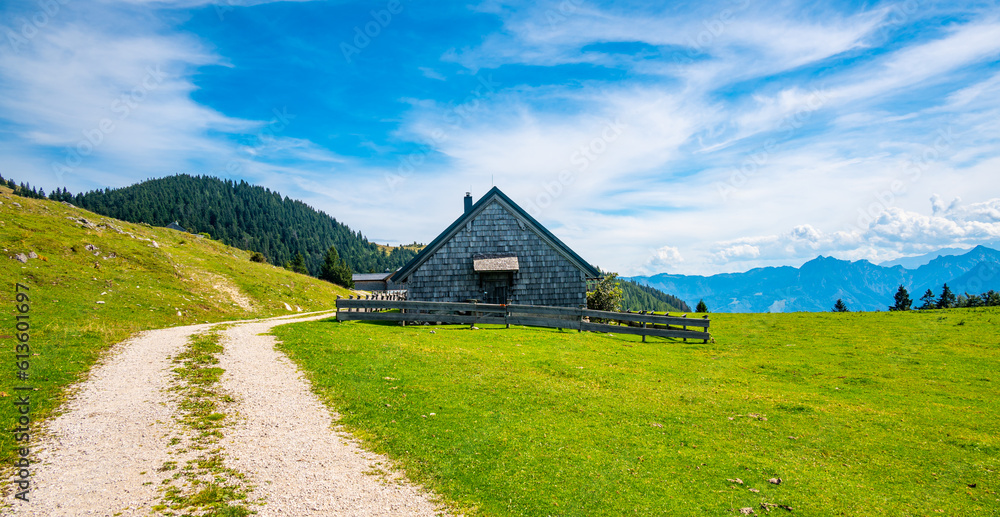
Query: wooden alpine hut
{"points": [[497, 253]]}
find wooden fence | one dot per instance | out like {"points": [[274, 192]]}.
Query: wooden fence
{"points": [[580, 319]]}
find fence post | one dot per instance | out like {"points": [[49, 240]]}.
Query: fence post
{"points": [[580, 328], [506, 315], [685, 327], [706, 328], [643, 327]]}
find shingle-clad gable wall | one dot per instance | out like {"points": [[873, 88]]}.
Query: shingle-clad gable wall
{"points": [[545, 277]]}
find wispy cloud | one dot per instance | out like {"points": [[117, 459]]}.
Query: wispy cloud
{"points": [[704, 138]]}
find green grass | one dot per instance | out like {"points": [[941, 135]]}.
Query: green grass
{"points": [[858, 414], [142, 287], [204, 486]]}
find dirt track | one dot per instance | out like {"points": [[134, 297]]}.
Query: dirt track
{"points": [[103, 455]]}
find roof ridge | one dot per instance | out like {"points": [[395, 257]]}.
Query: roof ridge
{"points": [[495, 192]]}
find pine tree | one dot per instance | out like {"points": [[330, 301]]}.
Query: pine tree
{"points": [[335, 270], [239, 214], [929, 301], [840, 306], [701, 306], [298, 264], [903, 301], [638, 297], [947, 299]]}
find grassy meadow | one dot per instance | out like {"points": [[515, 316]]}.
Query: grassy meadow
{"points": [[95, 285], [855, 413]]}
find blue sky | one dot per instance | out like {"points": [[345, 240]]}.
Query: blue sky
{"points": [[693, 138]]}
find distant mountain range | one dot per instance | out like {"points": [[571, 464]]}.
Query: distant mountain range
{"points": [[818, 284], [920, 260]]}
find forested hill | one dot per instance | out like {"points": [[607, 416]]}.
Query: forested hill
{"points": [[241, 215], [638, 297]]}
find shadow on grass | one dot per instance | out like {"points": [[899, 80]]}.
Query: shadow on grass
{"points": [[494, 327]]}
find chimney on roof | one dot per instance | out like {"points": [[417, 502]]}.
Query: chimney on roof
{"points": [[468, 202]]}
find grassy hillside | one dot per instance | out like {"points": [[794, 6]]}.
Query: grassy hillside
{"points": [[239, 214], [856, 414], [97, 281]]}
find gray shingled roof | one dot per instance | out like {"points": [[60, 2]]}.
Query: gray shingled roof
{"points": [[495, 262], [494, 194]]}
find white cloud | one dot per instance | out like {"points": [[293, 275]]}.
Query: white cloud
{"points": [[111, 107], [94, 96], [663, 259], [895, 232], [693, 105], [668, 254], [430, 73], [932, 60], [736, 252]]}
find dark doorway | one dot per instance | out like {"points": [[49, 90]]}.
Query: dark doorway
{"points": [[496, 287]]}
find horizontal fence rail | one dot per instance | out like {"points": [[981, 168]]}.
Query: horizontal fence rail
{"points": [[470, 313]]}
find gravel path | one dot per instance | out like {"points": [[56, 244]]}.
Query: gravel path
{"points": [[100, 455], [283, 440]]}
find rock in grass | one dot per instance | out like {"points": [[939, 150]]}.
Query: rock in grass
{"points": [[774, 481], [21, 257]]}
